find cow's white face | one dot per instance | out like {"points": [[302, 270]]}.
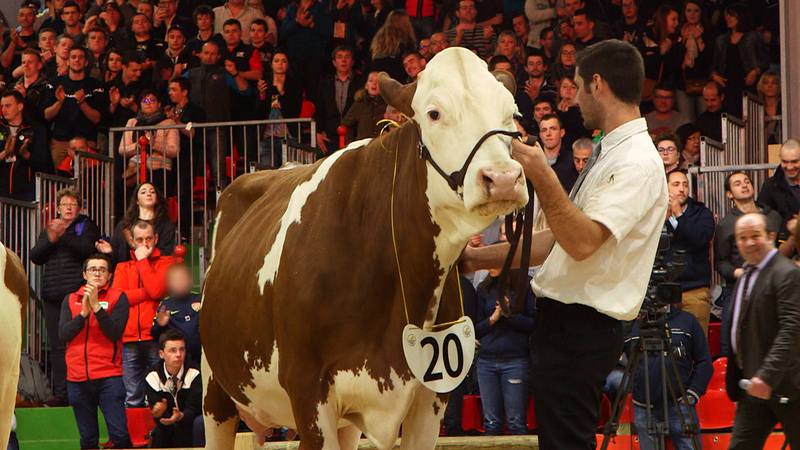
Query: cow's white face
{"points": [[457, 101]]}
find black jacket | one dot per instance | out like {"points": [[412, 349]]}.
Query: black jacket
{"points": [[17, 174], [185, 317], [693, 359], [726, 254], [327, 112], [188, 397], [210, 92], [776, 193], [770, 329], [63, 259], [694, 233]]}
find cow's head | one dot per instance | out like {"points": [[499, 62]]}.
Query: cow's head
{"points": [[455, 102]]}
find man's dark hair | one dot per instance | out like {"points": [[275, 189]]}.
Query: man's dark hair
{"points": [[669, 136], [183, 84], [536, 53], [686, 130], [545, 98], [30, 5], [71, 4], [519, 14], [131, 57], [97, 256], [13, 93], [496, 59], [260, 22], [47, 30], [342, 48], [585, 12], [544, 32], [97, 30], [78, 48], [674, 171], [170, 334], [177, 27], [212, 42], [411, 52], [203, 10], [618, 63], [728, 179], [232, 22], [141, 223], [30, 51], [664, 86], [552, 116]]}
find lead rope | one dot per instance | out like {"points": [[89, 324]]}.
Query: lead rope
{"points": [[394, 241]]}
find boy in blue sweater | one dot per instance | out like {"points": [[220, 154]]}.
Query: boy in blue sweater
{"points": [[180, 310]]}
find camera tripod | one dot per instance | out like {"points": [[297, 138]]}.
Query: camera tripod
{"points": [[654, 340]]}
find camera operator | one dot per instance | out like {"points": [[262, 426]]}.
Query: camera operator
{"points": [[693, 358], [692, 226]]}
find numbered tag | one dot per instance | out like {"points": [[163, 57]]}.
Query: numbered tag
{"points": [[440, 359]]}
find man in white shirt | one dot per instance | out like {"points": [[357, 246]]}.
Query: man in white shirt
{"points": [[596, 272]]}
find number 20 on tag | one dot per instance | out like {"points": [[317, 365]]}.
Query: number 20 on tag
{"points": [[440, 359]]}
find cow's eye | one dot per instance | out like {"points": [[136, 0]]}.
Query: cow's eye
{"points": [[434, 115]]}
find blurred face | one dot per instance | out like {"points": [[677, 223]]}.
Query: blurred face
{"points": [[712, 99], [692, 13], [583, 28], [150, 105], [580, 156], [112, 15], [132, 71], [425, 48], [731, 21], [663, 101], [692, 145], [232, 35], [68, 208], [547, 41], [741, 188], [551, 133], [144, 237], [11, 109], [146, 196], [58, 5], [140, 24], [114, 62], [280, 63], [175, 40], [146, 9], [535, 66], [174, 354], [176, 95], [258, 34], [210, 54], [256, 4], [26, 17], [672, 22], [71, 16], [540, 110], [770, 86], [63, 48], [96, 42], [31, 65], [77, 61], [520, 26], [790, 163], [413, 65], [568, 89], [503, 65], [573, 5], [679, 187], [47, 41], [629, 9], [508, 46], [179, 281], [393, 114], [204, 22], [467, 12], [343, 62], [752, 239], [438, 43], [97, 272], [669, 153], [568, 56], [168, 7], [372, 85]]}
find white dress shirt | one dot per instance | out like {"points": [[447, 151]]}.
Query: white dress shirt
{"points": [[626, 191]]}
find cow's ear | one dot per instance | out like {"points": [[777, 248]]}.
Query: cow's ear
{"points": [[396, 94]]}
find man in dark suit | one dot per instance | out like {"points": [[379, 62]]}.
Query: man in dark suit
{"points": [[765, 338], [336, 95]]}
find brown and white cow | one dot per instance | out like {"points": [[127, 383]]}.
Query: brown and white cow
{"points": [[13, 301], [303, 312]]}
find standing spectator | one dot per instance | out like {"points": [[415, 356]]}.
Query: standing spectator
{"points": [[146, 45], [96, 43], [143, 280], [71, 15], [509, 46], [32, 85], [739, 57], [180, 311], [20, 38], [47, 48], [728, 261], [764, 338], [60, 64], [335, 97], [204, 19], [270, 27], [73, 103], [581, 151], [281, 96], [469, 33], [710, 121], [631, 27], [664, 118], [176, 55], [62, 248], [534, 85], [693, 360], [262, 40], [53, 19], [557, 151], [174, 392], [166, 16], [689, 140], [692, 228], [307, 28], [542, 106], [546, 44], [367, 110], [238, 9], [92, 322], [698, 40], [569, 111], [423, 16], [781, 191], [669, 148], [542, 14], [24, 149], [116, 24], [769, 89], [146, 204], [664, 54], [390, 43], [504, 364], [522, 29]]}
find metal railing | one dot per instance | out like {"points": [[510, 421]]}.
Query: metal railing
{"points": [[733, 139], [47, 186], [294, 151], [754, 129], [94, 177]]}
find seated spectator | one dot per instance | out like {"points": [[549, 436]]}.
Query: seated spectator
{"points": [[569, 111], [439, 42], [71, 15], [509, 46], [693, 360], [692, 227], [664, 118], [281, 97], [781, 192], [204, 20], [631, 27], [391, 42], [146, 204], [180, 310], [558, 151], [92, 322], [163, 144], [689, 140], [469, 33], [542, 105], [60, 64], [769, 89], [76, 144], [24, 149], [32, 85], [239, 10], [47, 51], [174, 392], [367, 110], [504, 360], [335, 97], [147, 8], [583, 22], [710, 121], [531, 82], [113, 66], [143, 280], [62, 248], [728, 262], [413, 63], [581, 151], [564, 67], [669, 148]]}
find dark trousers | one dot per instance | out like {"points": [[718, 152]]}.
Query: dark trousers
{"points": [[755, 419], [171, 436], [574, 349], [108, 394], [58, 348]]}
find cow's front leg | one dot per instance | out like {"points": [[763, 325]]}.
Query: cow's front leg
{"points": [[424, 418], [317, 424], [219, 413]]}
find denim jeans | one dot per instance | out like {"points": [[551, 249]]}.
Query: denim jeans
{"points": [[504, 385], [679, 441], [109, 395], [137, 358]]}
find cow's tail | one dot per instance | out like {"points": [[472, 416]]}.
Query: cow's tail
{"points": [[12, 299]]}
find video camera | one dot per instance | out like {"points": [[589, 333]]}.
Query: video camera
{"points": [[662, 289]]}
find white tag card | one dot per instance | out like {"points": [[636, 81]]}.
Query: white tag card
{"points": [[440, 359]]}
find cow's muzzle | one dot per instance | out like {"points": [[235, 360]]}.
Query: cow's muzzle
{"points": [[502, 185]]}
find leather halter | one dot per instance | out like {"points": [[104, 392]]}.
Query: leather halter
{"points": [[456, 179]]}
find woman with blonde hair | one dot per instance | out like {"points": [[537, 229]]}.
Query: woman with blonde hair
{"points": [[509, 46], [391, 42], [769, 89]]}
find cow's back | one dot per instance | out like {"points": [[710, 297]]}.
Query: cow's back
{"points": [[13, 301]]}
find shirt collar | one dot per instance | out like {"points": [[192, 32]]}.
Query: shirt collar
{"points": [[760, 266], [179, 376], [621, 133]]}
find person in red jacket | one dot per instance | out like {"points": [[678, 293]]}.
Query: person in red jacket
{"points": [[143, 280], [92, 321]]}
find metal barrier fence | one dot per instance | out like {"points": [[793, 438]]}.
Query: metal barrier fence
{"points": [[46, 188], [733, 139], [755, 136], [295, 151], [94, 177]]}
